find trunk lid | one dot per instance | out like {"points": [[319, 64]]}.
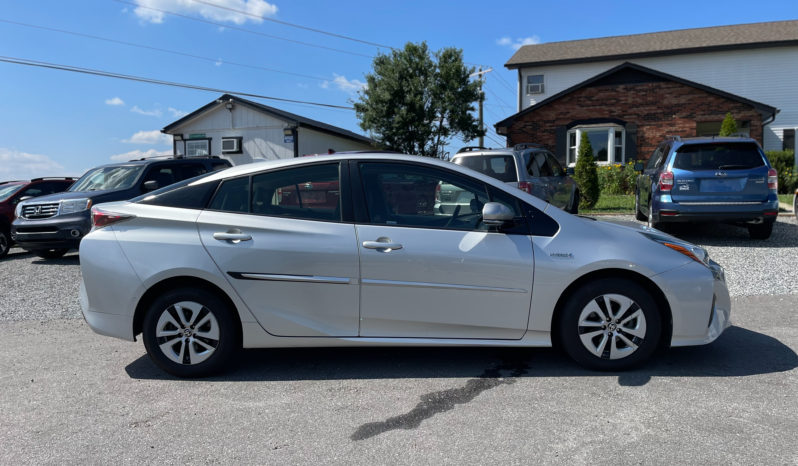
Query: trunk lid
{"points": [[728, 172]]}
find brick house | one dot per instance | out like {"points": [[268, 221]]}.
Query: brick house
{"points": [[630, 106]]}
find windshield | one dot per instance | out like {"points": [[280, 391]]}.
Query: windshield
{"points": [[718, 156], [501, 167], [105, 178], [8, 191]]}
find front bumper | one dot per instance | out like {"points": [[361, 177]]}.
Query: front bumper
{"points": [[63, 231]]}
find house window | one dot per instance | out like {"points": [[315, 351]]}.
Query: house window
{"points": [[534, 84], [197, 148], [607, 143]]}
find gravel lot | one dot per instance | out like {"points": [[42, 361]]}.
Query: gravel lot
{"points": [[69, 396]]}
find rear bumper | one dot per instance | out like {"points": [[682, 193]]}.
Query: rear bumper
{"points": [[666, 210], [52, 233], [110, 325]]}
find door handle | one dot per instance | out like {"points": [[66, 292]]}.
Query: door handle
{"points": [[232, 235], [381, 245]]}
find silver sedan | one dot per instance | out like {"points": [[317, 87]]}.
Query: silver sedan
{"points": [[341, 251]]}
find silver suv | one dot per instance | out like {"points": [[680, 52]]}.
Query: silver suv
{"points": [[528, 167]]}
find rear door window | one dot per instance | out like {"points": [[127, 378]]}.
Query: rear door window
{"points": [[233, 196], [718, 156], [310, 193], [192, 170], [219, 165], [543, 164], [163, 174], [501, 167], [556, 168]]}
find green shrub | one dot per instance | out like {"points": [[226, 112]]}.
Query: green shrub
{"points": [[618, 179], [729, 125], [586, 175], [784, 163]]}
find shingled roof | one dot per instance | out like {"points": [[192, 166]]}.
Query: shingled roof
{"points": [[741, 36]]}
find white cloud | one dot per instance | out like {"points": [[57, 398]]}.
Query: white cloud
{"points": [[114, 101], [253, 7], [218, 63], [149, 137], [15, 165], [177, 113], [518, 43], [350, 86], [155, 113], [139, 154]]}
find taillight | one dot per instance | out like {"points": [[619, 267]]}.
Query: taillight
{"points": [[773, 179], [102, 218], [666, 181], [438, 193], [525, 186]]}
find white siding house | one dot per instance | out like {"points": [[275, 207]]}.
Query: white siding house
{"points": [[260, 132], [758, 62]]}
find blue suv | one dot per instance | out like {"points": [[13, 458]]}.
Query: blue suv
{"points": [[709, 179]]}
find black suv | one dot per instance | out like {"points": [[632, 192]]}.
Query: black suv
{"points": [[49, 226]]}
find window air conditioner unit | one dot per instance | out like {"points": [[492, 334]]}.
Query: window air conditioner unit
{"points": [[230, 145], [534, 88]]}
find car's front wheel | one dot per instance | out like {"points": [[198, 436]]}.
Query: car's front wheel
{"points": [[5, 242], [50, 253], [190, 332], [610, 324]]}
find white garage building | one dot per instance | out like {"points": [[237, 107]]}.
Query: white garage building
{"points": [[243, 131]]}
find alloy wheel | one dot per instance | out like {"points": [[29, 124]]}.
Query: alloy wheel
{"points": [[612, 326], [187, 333]]}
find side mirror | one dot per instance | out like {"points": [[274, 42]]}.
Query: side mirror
{"points": [[150, 185], [639, 167], [496, 214], [570, 171]]}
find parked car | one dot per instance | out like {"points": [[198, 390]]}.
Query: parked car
{"points": [[200, 271], [795, 204], [528, 167], [708, 179], [13, 192], [49, 226]]}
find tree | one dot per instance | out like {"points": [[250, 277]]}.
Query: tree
{"points": [[729, 125], [586, 174], [415, 101]]}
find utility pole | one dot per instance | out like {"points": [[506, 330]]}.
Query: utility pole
{"points": [[481, 100]]}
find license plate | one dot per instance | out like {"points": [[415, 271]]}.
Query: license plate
{"points": [[722, 186]]}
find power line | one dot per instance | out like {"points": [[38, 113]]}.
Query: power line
{"points": [[506, 84], [242, 29], [495, 95], [288, 24], [166, 51], [107, 74]]}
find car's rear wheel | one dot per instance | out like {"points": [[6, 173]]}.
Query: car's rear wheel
{"points": [[50, 253], [190, 332], [638, 213], [5, 242], [610, 324], [795, 205], [761, 231], [651, 223]]}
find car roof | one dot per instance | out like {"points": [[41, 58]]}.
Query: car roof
{"points": [[485, 152], [705, 139], [135, 163]]}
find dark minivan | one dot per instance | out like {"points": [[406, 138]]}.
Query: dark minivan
{"points": [[726, 179], [49, 226]]}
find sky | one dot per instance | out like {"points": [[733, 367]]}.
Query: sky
{"points": [[57, 123]]}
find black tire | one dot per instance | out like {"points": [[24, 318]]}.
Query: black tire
{"points": [[574, 210], [5, 241], [50, 253], [229, 339], [761, 231], [652, 223], [795, 205], [639, 216], [569, 331]]}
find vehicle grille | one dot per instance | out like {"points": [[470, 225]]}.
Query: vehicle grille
{"points": [[40, 211]]}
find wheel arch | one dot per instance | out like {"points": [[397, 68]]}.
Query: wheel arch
{"points": [[666, 313], [156, 290]]}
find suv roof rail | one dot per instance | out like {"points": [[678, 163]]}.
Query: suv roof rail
{"points": [[528, 145], [12, 181], [674, 137], [739, 135], [66, 178], [472, 149]]}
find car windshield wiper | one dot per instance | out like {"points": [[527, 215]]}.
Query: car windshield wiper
{"points": [[733, 167]]}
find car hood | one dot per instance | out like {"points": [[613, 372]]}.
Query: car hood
{"points": [[96, 196]]}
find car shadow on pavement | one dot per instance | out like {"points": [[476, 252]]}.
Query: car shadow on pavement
{"points": [[785, 235], [737, 353]]}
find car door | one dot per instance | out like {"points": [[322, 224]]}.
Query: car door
{"points": [[649, 178], [439, 275], [546, 175], [539, 185], [561, 185], [290, 254]]}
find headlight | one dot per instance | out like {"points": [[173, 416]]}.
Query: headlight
{"points": [[697, 253], [18, 210], [75, 205]]}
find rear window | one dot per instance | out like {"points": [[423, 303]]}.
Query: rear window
{"points": [[718, 156], [501, 167]]}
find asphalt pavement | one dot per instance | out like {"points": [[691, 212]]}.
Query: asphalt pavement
{"points": [[68, 396]]}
